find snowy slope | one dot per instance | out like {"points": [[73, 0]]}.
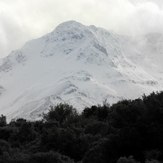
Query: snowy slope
{"points": [[80, 65]]}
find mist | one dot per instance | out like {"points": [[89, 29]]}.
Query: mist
{"points": [[21, 21]]}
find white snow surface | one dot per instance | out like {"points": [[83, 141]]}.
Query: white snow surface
{"points": [[79, 65]]}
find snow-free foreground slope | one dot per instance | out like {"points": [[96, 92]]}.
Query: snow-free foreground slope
{"points": [[80, 65]]}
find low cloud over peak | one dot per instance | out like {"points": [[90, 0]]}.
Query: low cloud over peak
{"points": [[21, 21]]}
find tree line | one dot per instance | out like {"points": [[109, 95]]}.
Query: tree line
{"points": [[129, 131]]}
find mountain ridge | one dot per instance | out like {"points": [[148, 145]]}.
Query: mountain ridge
{"points": [[80, 65]]}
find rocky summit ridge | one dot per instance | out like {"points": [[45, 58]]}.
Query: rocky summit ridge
{"points": [[79, 65]]}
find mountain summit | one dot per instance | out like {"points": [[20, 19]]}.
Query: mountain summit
{"points": [[79, 65]]}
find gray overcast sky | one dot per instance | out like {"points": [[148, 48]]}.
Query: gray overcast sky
{"points": [[23, 20]]}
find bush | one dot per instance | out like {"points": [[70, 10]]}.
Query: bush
{"points": [[130, 159], [50, 157]]}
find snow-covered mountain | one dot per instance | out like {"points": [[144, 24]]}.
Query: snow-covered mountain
{"points": [[80, 65]]}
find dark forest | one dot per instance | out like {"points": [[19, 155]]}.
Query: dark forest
{"points": [[129, 131]]}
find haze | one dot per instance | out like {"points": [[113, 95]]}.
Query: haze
{"points": [[21, 21]]}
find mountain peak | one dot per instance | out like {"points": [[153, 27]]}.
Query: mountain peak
{"points": [[77, 64], [72, 30], [69, 24]]}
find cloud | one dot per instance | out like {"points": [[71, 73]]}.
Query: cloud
{"points": [[21, 21], [145, 18]]}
